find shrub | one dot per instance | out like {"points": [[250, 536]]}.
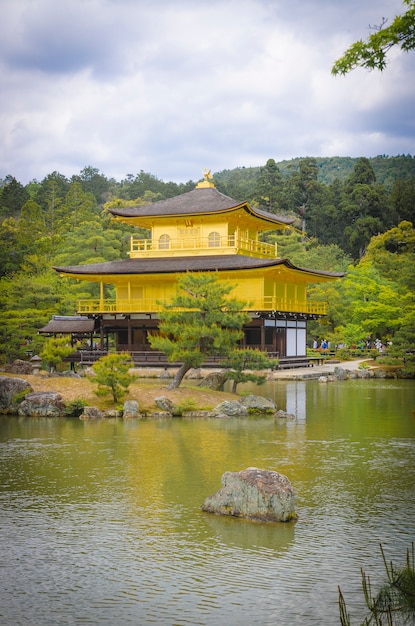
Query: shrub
{"points": [[75, 408], [112, 375]]}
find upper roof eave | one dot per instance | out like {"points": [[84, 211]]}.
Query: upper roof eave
{"points": [[200, 201]]}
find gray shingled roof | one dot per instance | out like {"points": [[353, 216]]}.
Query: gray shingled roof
{"points": [[184, 264], [70, 324], [196, 202]]}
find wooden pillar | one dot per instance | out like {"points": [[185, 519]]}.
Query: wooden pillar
{"points": [[274, 336], [129, 335], [101, 336], [262, 335], [101, 295]]}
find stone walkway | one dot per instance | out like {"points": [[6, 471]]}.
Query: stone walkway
{"points": [[304, 373]]}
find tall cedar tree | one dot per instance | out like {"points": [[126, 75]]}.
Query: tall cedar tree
{"points": [[199, 321]]}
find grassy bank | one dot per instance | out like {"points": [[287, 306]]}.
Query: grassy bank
{"points": [[142, 390]]}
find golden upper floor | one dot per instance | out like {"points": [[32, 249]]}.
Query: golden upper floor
{"points": [[203, 222]]}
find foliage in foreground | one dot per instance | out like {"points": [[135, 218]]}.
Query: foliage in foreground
{"points": [[55, 350], [112, 375], [394, 604], [372, 53], [200, 321]]}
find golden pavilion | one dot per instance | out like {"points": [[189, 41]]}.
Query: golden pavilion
{"points": [[202, 231]]}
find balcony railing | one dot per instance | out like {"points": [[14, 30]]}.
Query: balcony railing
{"points": [[150, 305], [207, 245]]}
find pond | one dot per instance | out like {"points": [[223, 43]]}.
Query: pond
{"points": [[101, 521]]}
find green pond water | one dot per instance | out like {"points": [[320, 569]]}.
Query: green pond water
{"points": [[101, 524]]}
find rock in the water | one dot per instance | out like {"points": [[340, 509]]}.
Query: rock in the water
{"points": [[43, 404], [215, 380], [258, 404], [255, 494], [12, 392], [284, 415], [130, 409], [91, 413], [230, 408]]}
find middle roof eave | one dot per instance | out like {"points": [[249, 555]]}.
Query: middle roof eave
{"points": [[184, 264]]}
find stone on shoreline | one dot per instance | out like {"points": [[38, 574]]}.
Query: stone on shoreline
{"points": [[12, 391], [42, 404], [131, 409], [167, 406], [91, 413], [258, 404]]}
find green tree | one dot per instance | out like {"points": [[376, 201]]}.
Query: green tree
{"points": [[240, 364], [92, 181], [304, 194], [365, 209], [12, 198], [55, 350], [269, 186], [89, 242], [199, 321], [375, 302], [112, 375], [372, 53], [27, 301], [403, 199], [79, 206]]}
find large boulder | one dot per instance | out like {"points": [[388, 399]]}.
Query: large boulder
{"points": [[166, 405], [19, 367], [255, 494], [12, 391], [91, 413], [230, 408], [131, 409], [340, 373], [215, 380], [43, 404], [258, 404]]}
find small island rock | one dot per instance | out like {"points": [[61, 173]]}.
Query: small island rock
{"points": [[258, 404], [230, 408], [254, 494]]}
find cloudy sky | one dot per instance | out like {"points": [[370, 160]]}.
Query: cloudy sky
{"points": [[173, 86]]}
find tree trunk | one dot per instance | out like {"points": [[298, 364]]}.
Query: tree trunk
{"points": [[183, 369]]}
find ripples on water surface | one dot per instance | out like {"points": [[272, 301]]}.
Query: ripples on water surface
{"points": [[101, 522]]}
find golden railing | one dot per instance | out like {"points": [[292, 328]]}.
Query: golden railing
{"points": [[212, 245], [150, 305]]}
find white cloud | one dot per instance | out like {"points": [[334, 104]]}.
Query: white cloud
{"points": [[172, 87]]}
